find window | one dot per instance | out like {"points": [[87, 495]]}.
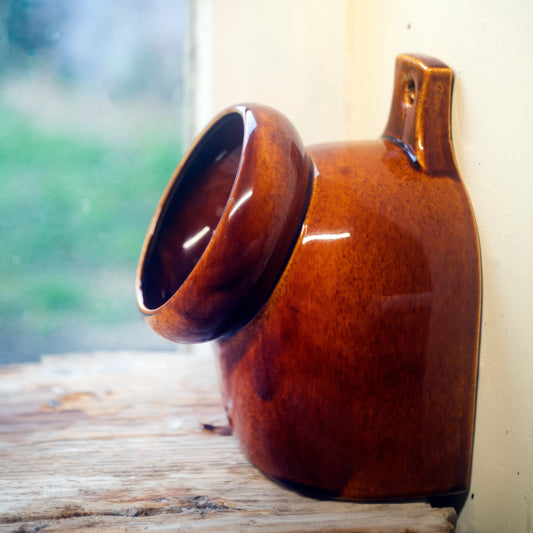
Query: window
{"points": [[92, 107]]}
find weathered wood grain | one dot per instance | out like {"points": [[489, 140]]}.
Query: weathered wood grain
{"points": [[137, 441]]}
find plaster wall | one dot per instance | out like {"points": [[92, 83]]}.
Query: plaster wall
{"points": [[278, 53], [329, 67]]}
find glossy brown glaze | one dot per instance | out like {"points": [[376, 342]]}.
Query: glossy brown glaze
{"points": [[224, 227], [350, 367]]}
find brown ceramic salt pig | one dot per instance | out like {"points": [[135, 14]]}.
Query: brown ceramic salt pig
{"points": [[342, 285]]}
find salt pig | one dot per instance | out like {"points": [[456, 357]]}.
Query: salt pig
{"points": [[341, 284]]}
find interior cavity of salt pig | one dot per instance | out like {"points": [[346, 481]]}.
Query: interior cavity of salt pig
{"points": [[342, 286]]}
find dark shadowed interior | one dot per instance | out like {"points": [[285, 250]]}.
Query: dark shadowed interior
{"points": [[192, 211]]}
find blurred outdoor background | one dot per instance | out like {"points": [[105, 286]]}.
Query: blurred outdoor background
{"points": [[92, 101]]}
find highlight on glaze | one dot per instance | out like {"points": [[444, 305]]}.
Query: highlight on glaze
{"points": [[191, 211]]}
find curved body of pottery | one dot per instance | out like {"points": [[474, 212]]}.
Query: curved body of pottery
{"points": [[342, 284]]}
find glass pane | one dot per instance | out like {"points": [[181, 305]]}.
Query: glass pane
{"points": [[91, 114]]}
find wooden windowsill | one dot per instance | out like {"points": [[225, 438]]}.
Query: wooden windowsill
{"points": [[127, 441]]}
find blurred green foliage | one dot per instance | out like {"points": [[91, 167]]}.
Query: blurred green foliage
{"points": [[91, 100], [74, 213]]}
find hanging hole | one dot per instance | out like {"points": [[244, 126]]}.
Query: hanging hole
{"points": [[410, 91]]}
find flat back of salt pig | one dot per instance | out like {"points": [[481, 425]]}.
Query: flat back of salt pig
{"points": [[342, 285]]}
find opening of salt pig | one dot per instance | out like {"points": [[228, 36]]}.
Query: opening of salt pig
{"points": [[341, 284]]}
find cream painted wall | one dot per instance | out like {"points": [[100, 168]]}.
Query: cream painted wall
{"points": [[329, 66], [275, 52]]}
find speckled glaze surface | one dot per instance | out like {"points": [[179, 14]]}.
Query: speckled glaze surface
{"points": [[342, 285]]}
